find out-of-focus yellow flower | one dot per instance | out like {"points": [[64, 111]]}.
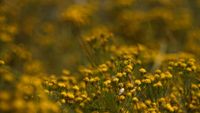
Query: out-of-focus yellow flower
{"points": [[119, 74], [189, 69], [147, 81], [2, 62], [63, 101], [77, 14], [135, 99], [115, 79], [107, 82], [158, 84], [66, 72], [169, 107], [70, 95], [103, 67], [79, 99], [148, 102], [129, 85], [168, 74], [121, 97], [142, 105], [138, 82], [142, 70], [75, 87]]}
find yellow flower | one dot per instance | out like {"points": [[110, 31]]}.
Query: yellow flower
{"points": [[170, 68], [119, 75], [133, 90], [148, 102], [198, 94], [142, 70], [151, 77], [63, 101], [147, 81], [106, 82], [77, 14], [135, 99], [66, 72], [130, 66], [86, 79], [96, 79], [129, 94], [194, 68], [46, 91], [194, 86], [158, 71], [191, 106], [2, 62], [157, 76], [168, 74], [189, 69], [162, 76], [103, 68], [169, 107], [70, 95], [141, 105], [161, 100], [82, 104], [138, 82], [92, 80], [63, 93], [129, 85], [121, 97], [183, 65], [78, 99], [75, 87], [84, 96], [88, 99], [139, 89], [158, 84], [115, 79], [61, 84]]}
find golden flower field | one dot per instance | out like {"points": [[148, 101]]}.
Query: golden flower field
{"points": [[99, 56]]}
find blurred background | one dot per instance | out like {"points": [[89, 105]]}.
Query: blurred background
{"points": [[47, 35]]}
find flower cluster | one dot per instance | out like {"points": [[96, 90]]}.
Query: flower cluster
{"points": [[21, 94], [123, 84]]}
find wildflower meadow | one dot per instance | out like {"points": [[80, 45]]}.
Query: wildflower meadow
{"points": [[99, 56]]}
